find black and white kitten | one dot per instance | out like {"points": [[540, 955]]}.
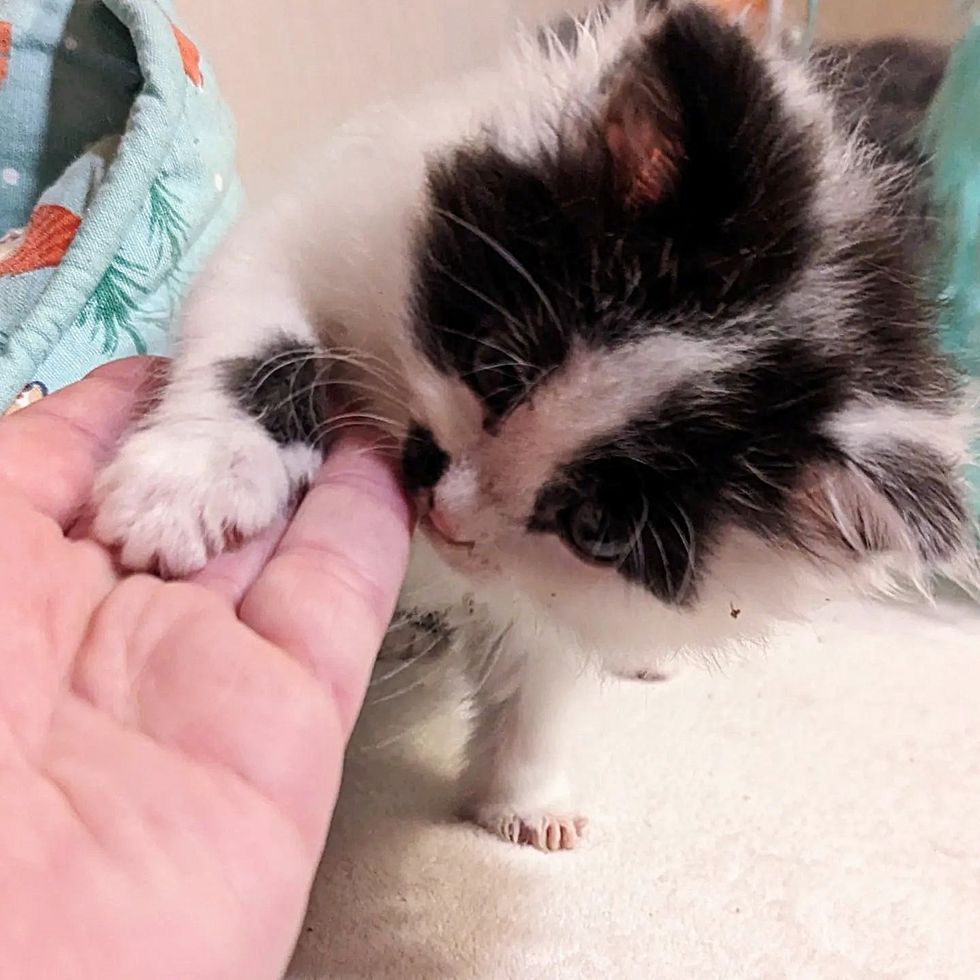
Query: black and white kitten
{"points": [[647, 311]]}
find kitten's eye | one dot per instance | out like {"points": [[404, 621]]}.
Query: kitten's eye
{"points": [[596, 538]]}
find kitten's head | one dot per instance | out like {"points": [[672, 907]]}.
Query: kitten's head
{"points": [[677, 352]]}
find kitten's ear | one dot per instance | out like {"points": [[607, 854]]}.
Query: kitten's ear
{"points": [[695, 109], [902, 501], [703, 142]]}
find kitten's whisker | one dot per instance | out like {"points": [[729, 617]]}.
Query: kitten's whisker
{"points": [[509, 258], [483, 342], [382, 420], [473, 291], [689, 547], [290, 399], [491, 658], [281, 361], [334, 428], [520, 382], [408, 688], [406, 664], [636, 536], [665, 564], [288, 360]]}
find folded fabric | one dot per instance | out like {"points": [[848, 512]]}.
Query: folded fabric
{"points": [[117, 179]]}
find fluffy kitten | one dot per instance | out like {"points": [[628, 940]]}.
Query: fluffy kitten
{"points": [[647, 310]]}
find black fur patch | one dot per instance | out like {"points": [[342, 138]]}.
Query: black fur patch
{"points": [[282, 389], [520, 259], [700, 462]]}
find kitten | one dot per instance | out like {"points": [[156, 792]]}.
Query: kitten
{"points": [[647, 312]]}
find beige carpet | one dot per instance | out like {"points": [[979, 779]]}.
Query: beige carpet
{"points": [[812, 811]]}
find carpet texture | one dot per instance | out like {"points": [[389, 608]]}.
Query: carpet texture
{"points": [[811, 810]]}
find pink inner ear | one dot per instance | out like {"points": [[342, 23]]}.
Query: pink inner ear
{"points": [[644, 142], [644, 169], [841, 503]]}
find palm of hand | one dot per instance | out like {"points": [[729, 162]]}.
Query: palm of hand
{"points": [[170, 752]]}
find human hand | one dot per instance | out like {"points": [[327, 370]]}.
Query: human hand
{"points": [[170, 753]]}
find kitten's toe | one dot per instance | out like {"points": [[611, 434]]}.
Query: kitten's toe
{"points": [[542, 829], [176, 495]]}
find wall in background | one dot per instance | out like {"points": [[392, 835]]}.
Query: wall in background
{"points": [[313, 62], [930, 19]]}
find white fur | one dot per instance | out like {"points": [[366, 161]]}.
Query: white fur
{"points": [[866, 425], [329, 262]]}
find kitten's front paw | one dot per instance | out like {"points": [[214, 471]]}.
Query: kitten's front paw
{"points": [[533, 827], [178, 493]]}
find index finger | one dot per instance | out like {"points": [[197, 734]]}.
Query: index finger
{"points": [[328, 592]]}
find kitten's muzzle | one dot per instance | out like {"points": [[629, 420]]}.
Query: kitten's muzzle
{"points": [[435, 524], [424, 462]]}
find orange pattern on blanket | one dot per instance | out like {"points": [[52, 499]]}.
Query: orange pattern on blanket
{"points": [[5, 45], [189, 55], [46, 239]]}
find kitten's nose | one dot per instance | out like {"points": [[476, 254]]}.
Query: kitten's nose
{"points": [[423, 461]]}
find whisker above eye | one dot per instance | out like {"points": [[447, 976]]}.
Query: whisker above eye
{"points": [[636, 537], [688, 542], [664, 561], [486, 368], [478, 294], [483, 342], [509, 258]]}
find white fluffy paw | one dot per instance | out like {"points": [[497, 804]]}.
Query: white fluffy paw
{"points": [[542, 829], [180, 492]]}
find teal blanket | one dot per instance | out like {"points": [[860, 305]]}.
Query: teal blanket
{"points": [[117, 178]]}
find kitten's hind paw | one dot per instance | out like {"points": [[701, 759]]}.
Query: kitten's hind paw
{"points": [[538, 828]]}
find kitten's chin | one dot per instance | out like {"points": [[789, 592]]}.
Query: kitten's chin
{"points": [[464, 557]]}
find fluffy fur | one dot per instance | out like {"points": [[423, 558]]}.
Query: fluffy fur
{"points": [[646, 309]]}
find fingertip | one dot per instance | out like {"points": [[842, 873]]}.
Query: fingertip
{"points": [[363, 467]]}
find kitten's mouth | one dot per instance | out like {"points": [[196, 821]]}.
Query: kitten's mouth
{"points": [[433, 529]]}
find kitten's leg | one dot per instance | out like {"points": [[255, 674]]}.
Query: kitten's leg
{"points": [[515, 779], [233, 432]]}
